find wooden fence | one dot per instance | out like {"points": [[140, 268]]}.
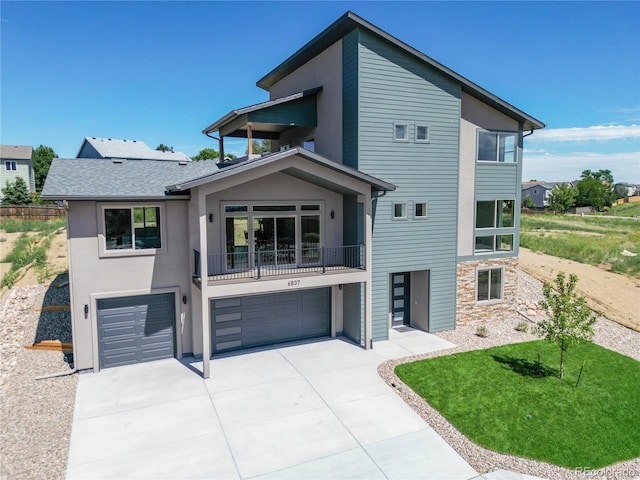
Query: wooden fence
{"points": [[31, 212]]}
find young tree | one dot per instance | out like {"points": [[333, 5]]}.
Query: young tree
{"points": [[42, 157], [206, 154], [16, 193], [527, 202], [563, 197], [569, 319]]}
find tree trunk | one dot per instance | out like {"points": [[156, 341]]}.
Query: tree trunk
{"points": [[562, 349]]}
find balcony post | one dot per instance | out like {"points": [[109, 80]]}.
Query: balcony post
{"points": [[258, 262], [204, 282], [324, 266]]}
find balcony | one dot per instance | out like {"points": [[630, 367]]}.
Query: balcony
{"points": [[257, 265]]}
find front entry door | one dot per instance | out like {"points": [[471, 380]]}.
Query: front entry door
{"points": [[400, 299]]}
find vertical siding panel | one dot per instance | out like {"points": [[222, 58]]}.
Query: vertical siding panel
{"points": [[350, 99]]}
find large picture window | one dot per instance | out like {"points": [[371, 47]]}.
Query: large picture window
{"points": [[497, 147], [489, 285], [136, 228], [494, 214]]}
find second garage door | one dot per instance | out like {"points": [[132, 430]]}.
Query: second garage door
{"points": [[136, 329], [256, 320]]}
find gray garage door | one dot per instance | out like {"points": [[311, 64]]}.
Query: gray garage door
{"points": [[135, 329], [244, 322]]}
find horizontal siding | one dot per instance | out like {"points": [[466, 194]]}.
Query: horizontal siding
{"points": [[497, 181], [396, 88]]}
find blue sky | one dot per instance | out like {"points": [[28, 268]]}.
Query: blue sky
{"points": [[162, 71]]}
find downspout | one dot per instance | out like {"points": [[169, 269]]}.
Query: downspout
{"points": [[530, 133], [220, 145]]}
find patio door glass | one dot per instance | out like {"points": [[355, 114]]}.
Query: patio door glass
{"points": [[275, 240], [237, 229], [310, 235]]}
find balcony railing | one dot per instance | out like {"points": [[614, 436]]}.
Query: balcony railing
{"points": [[262, 263]]}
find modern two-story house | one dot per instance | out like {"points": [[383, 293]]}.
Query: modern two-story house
{"points": [[390, 198]]}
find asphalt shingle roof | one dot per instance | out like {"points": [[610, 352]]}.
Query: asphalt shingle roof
{"points": [[16, 152], [114, 148], [97, 178]]}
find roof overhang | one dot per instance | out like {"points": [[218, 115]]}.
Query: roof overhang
{"points": [[298, 171], [350, 21], [268, 120]]}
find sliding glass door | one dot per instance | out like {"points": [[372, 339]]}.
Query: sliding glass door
{"points": [[275, 240]]}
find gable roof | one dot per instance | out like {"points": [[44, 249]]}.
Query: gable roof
{"points": [[242, 166], [350, 21], [16, 152], [122, 179], [131, 149]]}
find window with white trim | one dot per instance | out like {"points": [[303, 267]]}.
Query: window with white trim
{"points": [[489, 285], [132, 228], [11, 165], [420, 210], [494, 226], [422, 134], [401, 132], [399, 211], [497, 147]]}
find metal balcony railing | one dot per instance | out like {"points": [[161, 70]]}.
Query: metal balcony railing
{"points": [[262, 263]]}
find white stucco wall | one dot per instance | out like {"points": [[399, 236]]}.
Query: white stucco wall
{"points": [[93, 276], [475, 114], [324, 70]]}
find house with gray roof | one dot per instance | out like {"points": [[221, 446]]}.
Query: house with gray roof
{"points": [[390, 199], [17, 161], [93, 147]]}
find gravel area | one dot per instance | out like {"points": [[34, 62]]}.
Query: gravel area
{"points": [[36, 415], [607, 334]]}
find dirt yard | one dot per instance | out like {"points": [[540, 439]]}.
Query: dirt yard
{"points": [[616, 296]]}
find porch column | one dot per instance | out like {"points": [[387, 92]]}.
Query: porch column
{"points": [[204, 286], [368, 289]]}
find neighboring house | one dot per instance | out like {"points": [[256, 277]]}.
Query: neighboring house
{"points": [[93, 147], [627, 189], [392, 199], [17, 161], [539, 192]]}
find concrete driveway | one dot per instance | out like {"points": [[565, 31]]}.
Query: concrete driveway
{"points": [[314, 410]]}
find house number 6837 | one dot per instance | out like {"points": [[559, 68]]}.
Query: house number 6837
{"points": [[293, 283]]}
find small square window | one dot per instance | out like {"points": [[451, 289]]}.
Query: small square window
{"points": [[420, 210], [400, 132], [422, 133], [489, 285], [399, 210], [11, 166]]}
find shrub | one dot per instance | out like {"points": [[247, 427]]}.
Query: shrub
{"points": [[482, 331], [522, 327]]}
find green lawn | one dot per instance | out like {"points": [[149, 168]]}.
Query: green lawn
{"points": [[590, 239], [625, 210], [501, 400]]}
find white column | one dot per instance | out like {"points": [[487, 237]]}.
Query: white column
{"points": [[204, 277]]}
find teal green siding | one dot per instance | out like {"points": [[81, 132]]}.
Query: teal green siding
{"points": [[350, 99], [302, 112], [393, 87]]}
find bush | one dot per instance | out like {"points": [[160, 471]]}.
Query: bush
{"points": [[16, 193], [482, 331], [522, 327]]}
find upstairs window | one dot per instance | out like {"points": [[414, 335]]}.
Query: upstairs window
{"points": [[420, 210], [11, 166], [309, 144], [494, 214], [401, 132], [422, 134], [399, 211], [497, 147], [136, 228]]}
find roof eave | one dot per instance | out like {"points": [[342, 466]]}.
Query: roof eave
{"points": [[115, 198], [350, 21]]}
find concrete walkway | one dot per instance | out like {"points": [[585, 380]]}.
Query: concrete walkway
{"points": [[314, 410]]}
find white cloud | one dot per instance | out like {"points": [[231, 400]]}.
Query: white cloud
{"points": [[557, 167], [577, 134]]}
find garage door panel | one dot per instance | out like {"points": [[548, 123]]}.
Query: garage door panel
{"points": [[136, 329], [245, 322]]}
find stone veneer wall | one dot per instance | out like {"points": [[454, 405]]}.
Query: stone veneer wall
{"points": [[467, 311]]}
